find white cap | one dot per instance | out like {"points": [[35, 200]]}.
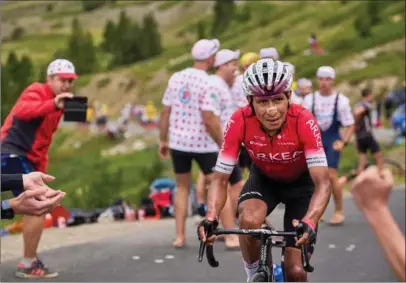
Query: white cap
{"points": [[326, 72], [204, 48], [62, 68], [291, 67], [269, 53], [303, 82], [226, 55]]}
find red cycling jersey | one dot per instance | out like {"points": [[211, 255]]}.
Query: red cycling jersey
{"points": [[284, 156]]}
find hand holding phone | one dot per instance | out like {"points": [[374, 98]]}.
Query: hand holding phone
{"points": [[75, 109], [60, 98]]}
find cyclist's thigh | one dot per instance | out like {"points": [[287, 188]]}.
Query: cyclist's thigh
{"points": [[181, 161], [297, 202], [16, 165], [258, 187], [236, 175], [206, 161]]}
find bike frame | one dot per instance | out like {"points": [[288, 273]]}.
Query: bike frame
{"points": [[265, 235]]}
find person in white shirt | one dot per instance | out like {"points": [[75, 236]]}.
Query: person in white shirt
{"points": [[184, 131], [270, 52], [332, 111], [219, 101]]}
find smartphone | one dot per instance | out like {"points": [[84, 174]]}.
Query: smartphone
{"points": [[75, 109]]}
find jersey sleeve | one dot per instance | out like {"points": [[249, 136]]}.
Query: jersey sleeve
{"points": [[345, 115], [310, 137], [233, 135], [167, 99], [211, 99]]}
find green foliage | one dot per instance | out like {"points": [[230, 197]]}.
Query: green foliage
{"points": [[16, 75], [200, 30], [287, 50], [90, 5], [362, 25], [17, 33], [223, 15]]}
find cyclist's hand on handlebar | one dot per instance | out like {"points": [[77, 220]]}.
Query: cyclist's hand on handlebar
{"points": [[307, 232], [205, 229]]}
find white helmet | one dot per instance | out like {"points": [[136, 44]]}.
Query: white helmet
{"points": [[266, 77]]}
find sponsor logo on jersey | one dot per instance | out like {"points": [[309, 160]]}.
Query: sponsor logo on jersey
{"points": [[316, 131], [278, 157], [257, 143]]}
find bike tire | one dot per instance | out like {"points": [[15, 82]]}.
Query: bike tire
{"points": [[259, 277]]}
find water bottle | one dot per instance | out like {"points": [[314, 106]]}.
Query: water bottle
{"points": [[278, 273]]}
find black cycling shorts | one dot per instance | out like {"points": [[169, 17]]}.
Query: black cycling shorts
{"points": [[244, 159], [182, 161], [296, 197], [367, 143], [235, 176]]}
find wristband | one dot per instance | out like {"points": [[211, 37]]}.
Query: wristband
{"points": [[309, 222]]}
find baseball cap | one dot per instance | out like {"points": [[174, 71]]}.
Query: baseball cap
{"points": [[269, 53], [249, 58], [226, 55], [326, 72], [62, 68], [303, 82], [204, 48]]}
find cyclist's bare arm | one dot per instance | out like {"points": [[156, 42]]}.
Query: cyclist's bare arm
{"points": [[217, 195], [213, 126], [321, 195], [164, 123]]}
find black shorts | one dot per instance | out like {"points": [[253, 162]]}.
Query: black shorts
{"points": [[244, 159], [235, 176], [296, 197], [182, 161], [16, 165], [367, 143]]}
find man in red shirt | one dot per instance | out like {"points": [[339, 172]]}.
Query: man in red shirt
{"points": [[25, 139]]}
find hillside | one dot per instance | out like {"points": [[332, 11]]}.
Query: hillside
{"points": [[46, 28], [92, 179]]}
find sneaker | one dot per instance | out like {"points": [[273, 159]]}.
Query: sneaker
{"points": [[36, 270]]}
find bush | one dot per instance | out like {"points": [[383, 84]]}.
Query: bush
{"points": [[287, 51], [92, 5], [17, 33], [362, 25], [50, 7]]}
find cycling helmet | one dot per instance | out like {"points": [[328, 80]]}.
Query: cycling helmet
{"points": [[249, 58], [266, 77]]}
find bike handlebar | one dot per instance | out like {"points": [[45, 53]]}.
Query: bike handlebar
{"points": [[253, 232]]}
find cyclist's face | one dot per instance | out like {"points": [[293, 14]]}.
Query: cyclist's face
{"points": [[271, 111], [325, 84], [60, 85]]}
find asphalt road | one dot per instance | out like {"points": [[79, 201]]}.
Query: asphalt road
{"points": [[346, 253]]}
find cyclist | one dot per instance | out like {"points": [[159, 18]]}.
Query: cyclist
{"points": [[289, 165], [332, 111], [247, 59], [25, 139]]}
